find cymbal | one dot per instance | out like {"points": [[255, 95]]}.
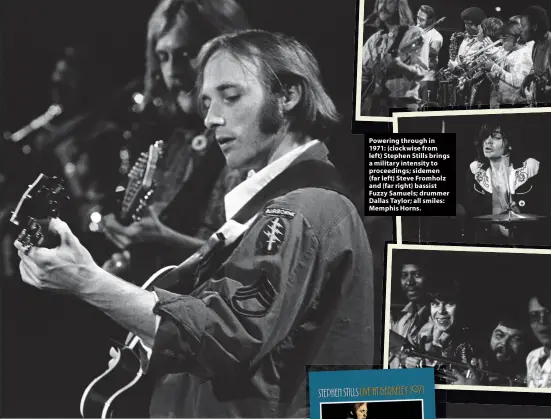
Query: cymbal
{"points": [[509, 217]]}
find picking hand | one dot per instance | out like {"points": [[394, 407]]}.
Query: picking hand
{"points": [[67, 268], [148, 229]]}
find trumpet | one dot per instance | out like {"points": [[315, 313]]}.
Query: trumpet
{"points": [[446, 366], [470, 58]]}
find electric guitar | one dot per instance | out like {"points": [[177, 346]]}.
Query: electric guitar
{"points": [[121, 391], [539, 94], [40, 202], [375, 97], [375, 94], [141, 185]]}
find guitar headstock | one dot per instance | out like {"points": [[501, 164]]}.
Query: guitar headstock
{"points": [[141, 182], [41, 201]]}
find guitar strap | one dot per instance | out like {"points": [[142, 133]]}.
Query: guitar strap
{"points": [[210, 258]]}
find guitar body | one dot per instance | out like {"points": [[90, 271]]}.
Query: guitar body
{"points": [[539, 94], [121, 391], [374, 92]]}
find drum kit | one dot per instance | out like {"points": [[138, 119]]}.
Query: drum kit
{"points": [[454, 228]]}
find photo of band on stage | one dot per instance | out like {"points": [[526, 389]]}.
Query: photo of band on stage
{"points": [[473, 316], [415, 58], [500, 181]]}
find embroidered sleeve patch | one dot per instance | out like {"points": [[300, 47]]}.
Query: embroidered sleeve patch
{"points": [[282, 212], [271, 237], [256, 299]]}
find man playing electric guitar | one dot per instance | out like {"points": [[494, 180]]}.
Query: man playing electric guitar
{"points": [[535, 27], [393, 65], [293, 283]]}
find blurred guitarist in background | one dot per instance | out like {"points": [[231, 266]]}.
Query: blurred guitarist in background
{"points": [[393, 64], [535, 27], [426, 16], [187, 206], [78, 144]]}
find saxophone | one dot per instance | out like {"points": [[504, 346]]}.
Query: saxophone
{"points": [[445, 74], [455, 41]]}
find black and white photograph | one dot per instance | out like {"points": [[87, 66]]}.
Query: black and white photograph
{"points": [[403, 409], [422, 55], [502, 159], [182, 223], [473, 314]]}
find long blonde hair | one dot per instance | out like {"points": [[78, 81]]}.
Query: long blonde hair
{"points": [[405, 15], [215, 16]]}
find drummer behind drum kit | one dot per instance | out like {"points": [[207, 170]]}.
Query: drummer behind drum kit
{"points": [[455, 225]]}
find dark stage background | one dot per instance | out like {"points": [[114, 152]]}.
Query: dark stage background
{"points": [[53, 346]]}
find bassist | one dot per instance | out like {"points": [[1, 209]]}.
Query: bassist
{"points": [[535, 27], [391, 77]]}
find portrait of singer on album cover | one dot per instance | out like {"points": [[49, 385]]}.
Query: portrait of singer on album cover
{"points": [[403, 409], [502, 174], [415, 56], [473, 314]]}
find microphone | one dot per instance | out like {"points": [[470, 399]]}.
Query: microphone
{"points": [[37, 123]]}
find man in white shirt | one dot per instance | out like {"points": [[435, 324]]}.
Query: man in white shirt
{"points": [[538, 363], [295, 287], [426, 16]]}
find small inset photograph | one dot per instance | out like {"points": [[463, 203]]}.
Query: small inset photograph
{"points": [[502, 160], [372, 393], [421, 56], [403, 409], [472, 314]]}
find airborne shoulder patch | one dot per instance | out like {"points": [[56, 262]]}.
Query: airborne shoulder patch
{"points": [[271, 237], [281, 212]]}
